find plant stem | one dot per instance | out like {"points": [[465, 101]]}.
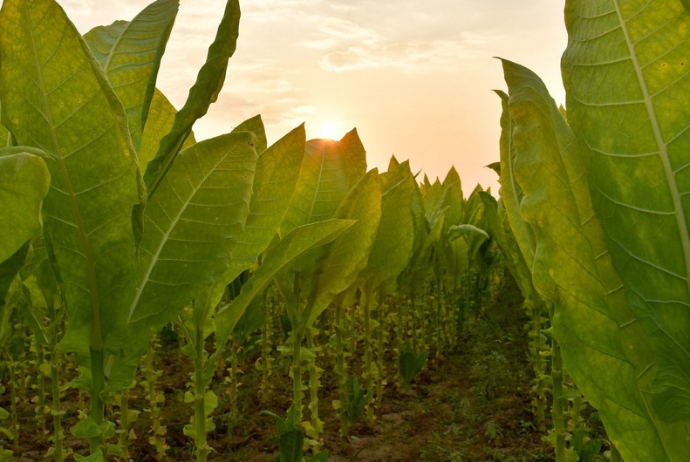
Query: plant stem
{"points": [[41, 390], [200, 396], [13, 398], [400, 333], [266, 348], [341, 369], [97, 409], [157, 430], [56, 410], [413, 321], [368, 373], [232, 391], [558, 413], [539, 366], [380, 351], [124, 422], [314, 385], [297, 394]]}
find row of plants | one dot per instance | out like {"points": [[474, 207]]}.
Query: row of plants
{"points": [[121, 223], [595, 198]]}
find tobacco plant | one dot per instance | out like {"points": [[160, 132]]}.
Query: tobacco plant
{"points": [[604, 200], [98, 218]]}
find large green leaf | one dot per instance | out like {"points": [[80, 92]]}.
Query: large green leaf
{"points": [[161, 116], [498, 227], [8, 273], [203, 93], [410, 279], [628, 93], [296, 242], [256, 126], [604, 346], [130, 54], [24, 181], [473, 235], [276, 176], [329, 170], [421, 262], [393, 164], [192, 224], [432, 193], [452, 192], [511, 193], [392, 248], [56, 98], [337, 270], [44, 295]]}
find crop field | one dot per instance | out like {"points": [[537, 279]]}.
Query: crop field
{"points": [[165, 298]]}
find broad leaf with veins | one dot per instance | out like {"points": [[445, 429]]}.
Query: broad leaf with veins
{"points": [[193, 222], [130, 53], [56, 98], [629, 104]]}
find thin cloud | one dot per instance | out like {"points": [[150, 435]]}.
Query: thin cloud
{"points": [[276, 11], [348, 31], [413, 56], [289, 117]]}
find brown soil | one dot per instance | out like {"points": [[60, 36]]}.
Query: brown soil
{"points": [[473, 404]]}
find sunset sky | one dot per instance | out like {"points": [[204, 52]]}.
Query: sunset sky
{"points": [[414, 78]]}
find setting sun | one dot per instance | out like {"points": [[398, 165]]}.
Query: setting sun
{"points": [[325, 130]]}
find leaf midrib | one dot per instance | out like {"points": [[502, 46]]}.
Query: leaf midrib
{"points": [[106, 66], [318, 185], [663, 151], [166, 236], [668, 170]]}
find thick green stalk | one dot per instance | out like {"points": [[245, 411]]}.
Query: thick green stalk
{"points": [[558, 411], [56, 410], [266, 348], [540, 400], [200, 396], [438, 321], [380, 352], [124, 422], [97, 409], [157, 430], [41, 390], [26, 353], [368, 372], [400, 334], [451, 318], [297, 394], [201, 442], [234, 366], [578, 407], [314, 385], [413, 319], [13, 406], [341, 369], [351, 330]]}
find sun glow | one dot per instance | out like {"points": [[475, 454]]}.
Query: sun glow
{"points": [[328, 131]]}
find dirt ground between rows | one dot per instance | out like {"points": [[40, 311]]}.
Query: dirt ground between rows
{"points": [[472, 404]]}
